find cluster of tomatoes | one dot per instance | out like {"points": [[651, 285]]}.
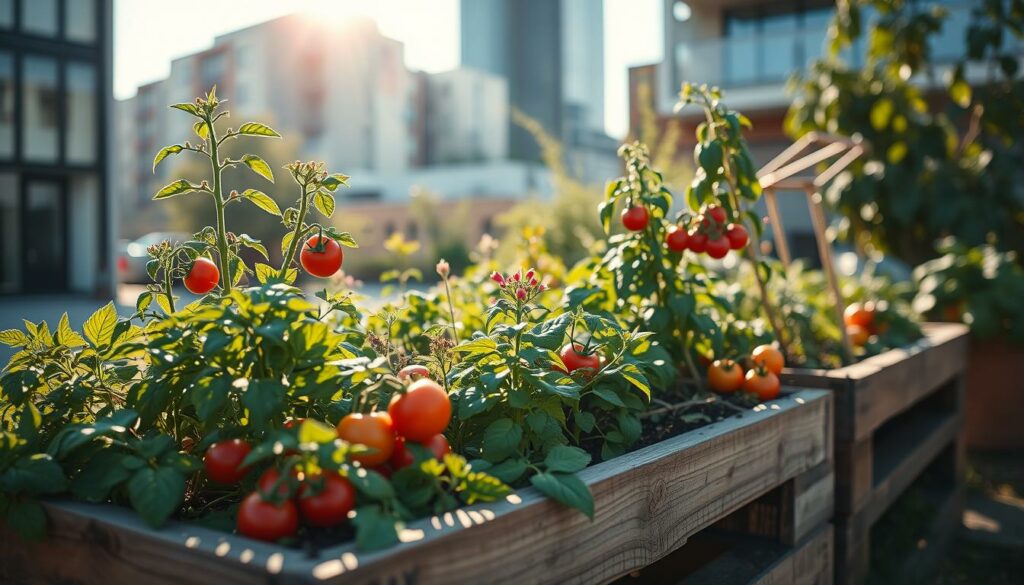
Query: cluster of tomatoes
{"points": [[711, 233], [861, 323], [274, 509], [320, 257], [762, 378]]}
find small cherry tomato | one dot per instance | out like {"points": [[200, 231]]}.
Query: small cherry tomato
{"points": [[677, 239], [698, 241], [737, 236], [725, 376], [223, 461], [858, 335], [862, 315], [413, 371], [765, 384], [402, 457], [321, 256], [635, 218], [718, 248], [374, 430], [716, 213], [263, 520], [769, 358], [574, 359], [326, 500], [202, 277], [422, 411]]}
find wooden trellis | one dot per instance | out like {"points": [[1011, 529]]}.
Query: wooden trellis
{"points": [[784, 173]]}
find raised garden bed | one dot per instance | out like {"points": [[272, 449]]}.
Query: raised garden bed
{"points": [[896, 413], [648, 504]]}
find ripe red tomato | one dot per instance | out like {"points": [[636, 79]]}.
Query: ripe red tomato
{"points": [[413, 371], [263, 520], [326, 500], [766, 385], [321, 257], [374, 430], [266, 483], [737, 236], [861, 315], [402, 457], [725, 376], [223, 461], [202, 277], [677, 239], [574, 359], [698, 241], [718, 248], [858, 335], [422, 411], [769, 358], [635, 218], [716, 213]]}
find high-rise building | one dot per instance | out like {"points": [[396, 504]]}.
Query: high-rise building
{"points": [[551, 52], [55, 96]]}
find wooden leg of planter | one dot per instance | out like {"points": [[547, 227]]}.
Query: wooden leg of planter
{"points": [[854, 481]]}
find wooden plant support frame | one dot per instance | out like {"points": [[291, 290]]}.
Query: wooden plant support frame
{"points": [[782, 172], [648, 503]]}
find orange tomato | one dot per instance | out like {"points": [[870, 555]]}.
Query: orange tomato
{"points": [[725, 376], [858, 335], [862, 315], [373, 430], [763, 383], [769, 358], [422, 411]]}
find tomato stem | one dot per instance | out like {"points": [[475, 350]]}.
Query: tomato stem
{"points": [[297, 234], [218, 199]]}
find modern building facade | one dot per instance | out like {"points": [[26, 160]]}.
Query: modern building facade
{"points": [[56, 228], [551, 52]]}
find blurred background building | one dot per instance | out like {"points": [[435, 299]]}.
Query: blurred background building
{"points": [[56, 221]]}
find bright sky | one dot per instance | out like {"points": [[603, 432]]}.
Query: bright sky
{"points": [[148, 35]]}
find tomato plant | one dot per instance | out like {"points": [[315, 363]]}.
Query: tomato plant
{"points": [[202, 277], [725, 376], [375, 430]]}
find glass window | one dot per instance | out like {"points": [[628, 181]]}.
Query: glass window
{"points": [[39, 115], [6, 13], [80, 134], [44, 257], [10, 248], [6, 105], [211, 69], [80, 20], [39, 17]]}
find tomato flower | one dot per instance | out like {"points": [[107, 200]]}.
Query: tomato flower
{"points": [[443, 268]]}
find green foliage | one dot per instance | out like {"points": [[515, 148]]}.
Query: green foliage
{"points": [[980, 286]]}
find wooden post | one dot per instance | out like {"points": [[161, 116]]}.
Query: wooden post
{"points": [[818, 221], [778, 232]]}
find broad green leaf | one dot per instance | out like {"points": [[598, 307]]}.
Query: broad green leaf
{"points": [[312, 431], [263, 201], [253, 244], [343, 238], [99, 328], [550, 334], [334, 181], [608, 394], [375, 530], [372, 484], [566, 489], [256, 129], [202, 129], [13, 338], [156, 493], [508, 470], [66, 335], [37, 474], [187, 107], [209, 396], [165, 152], [100, 475], [179, 187], [567, 459], [265, 272], [264, 399], [259, 166], [501, 439], [324, 203]]}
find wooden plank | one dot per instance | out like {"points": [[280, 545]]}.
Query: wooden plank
{"points": [[648, 503], [853, 552], [756, 561], [813, 502], [808, 564], [854, 475]]}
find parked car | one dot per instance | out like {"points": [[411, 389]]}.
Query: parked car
{"points": [[132, 257]]}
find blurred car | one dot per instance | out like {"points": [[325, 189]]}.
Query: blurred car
{"points": [[132, 256]]}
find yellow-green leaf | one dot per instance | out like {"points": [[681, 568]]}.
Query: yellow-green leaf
{"points": [[99, 327], [257, 129], [259, 166], [324, 202], [165, 152], [960, 92], [312, 431], [263, 201], [179, 187], [897, 152], [201, 129], [881, 113]]}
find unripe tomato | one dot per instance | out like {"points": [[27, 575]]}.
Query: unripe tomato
{"points": [[202, 277], [862, 315], [698, 241], [635, 218], [321, 256], [718, 248], [765, 384], [768, 358], [326, 500], [858, 335], [725, 376], [223, 461], [374, 430], [574, 359], [422, 411], [402, 457], [737, 236], [677, 239], [263, 520], [716, 213], [413, 371]]}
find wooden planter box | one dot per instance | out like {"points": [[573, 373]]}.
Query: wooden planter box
{"points": [[995, 396], [648, 504], [896, 413]]}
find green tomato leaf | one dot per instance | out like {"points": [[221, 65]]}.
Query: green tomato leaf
{"points": [[259, 166], [375, 530], [324, 203], [179, 187], [567, 459], [99, 327], [257, 129], [263, 201], [501, 439], [566, 489], [156, 493], [265, 400], [165, 152]]}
